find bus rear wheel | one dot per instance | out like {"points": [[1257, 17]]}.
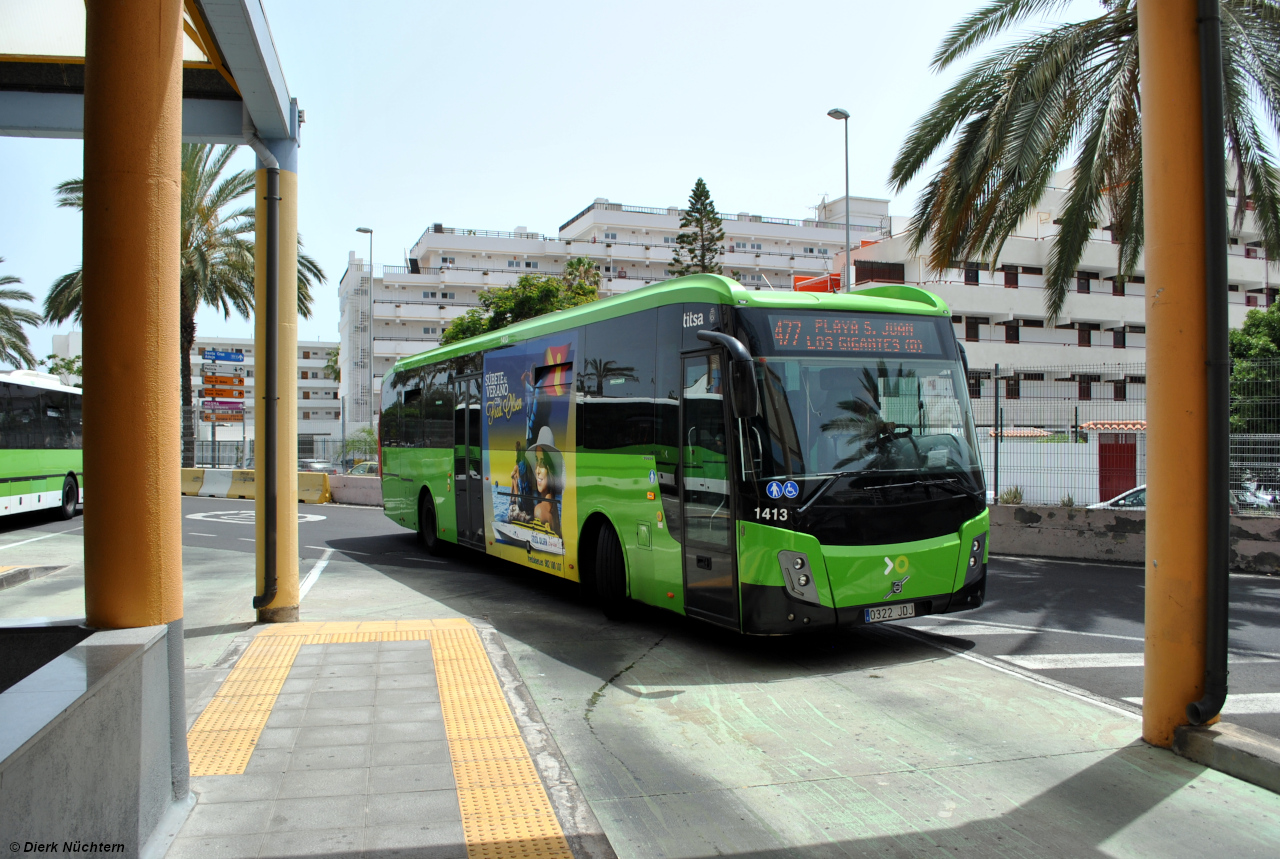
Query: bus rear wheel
{"points": [[70, 495], [428, 530], [611, 574]]}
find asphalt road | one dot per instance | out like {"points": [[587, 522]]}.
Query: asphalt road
{"points": [[1082, 624], [1077, 624]]}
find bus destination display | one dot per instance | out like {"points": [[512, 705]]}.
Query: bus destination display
{"points": [[855, 334]]}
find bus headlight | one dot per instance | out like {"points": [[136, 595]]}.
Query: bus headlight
{"points": [[800, 585], [976, 550]]}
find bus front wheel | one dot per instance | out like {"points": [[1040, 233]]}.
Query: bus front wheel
{"points": [[428, 530], [70, 495], [611, 574]]}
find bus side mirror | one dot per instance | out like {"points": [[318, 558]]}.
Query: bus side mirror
{"points": [[742, 374], [745, 401]]}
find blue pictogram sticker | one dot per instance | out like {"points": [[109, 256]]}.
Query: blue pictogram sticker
{"points": [[774, 489], [790, 489], [653, 476]]}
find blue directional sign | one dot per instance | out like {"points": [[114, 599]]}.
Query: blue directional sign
{"points": [[790, 489], [774, 489], [215, 355]]}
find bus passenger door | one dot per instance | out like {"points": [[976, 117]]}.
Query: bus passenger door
{"points": [[710, 570], [467, 481]]}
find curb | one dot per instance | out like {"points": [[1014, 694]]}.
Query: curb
{"points": [[582, 829], [13, 578], [1231, 749]]}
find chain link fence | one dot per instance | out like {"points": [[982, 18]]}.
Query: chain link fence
{"points": [[1069, 436], [360, 447], [1074, 436]]}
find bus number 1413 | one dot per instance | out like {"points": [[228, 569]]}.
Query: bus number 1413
{"points": [[777, 514]]}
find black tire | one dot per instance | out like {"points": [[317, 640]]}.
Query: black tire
{"points": [[70, 495], [611, 574], [428, 534]]}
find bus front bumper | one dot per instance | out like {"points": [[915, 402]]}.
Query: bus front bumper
{"points": [[770, 610]]}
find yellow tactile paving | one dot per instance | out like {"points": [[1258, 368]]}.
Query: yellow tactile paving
{"points": [[505, 810]]}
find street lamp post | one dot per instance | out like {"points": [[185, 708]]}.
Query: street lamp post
{"points": [[843, 115], [369, 230]]}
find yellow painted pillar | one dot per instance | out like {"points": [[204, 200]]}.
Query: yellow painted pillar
{"points": [[1177, 387], [284, 607], [132, 184]]}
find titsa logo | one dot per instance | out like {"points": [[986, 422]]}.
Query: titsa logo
{"points": [[692, 319]]}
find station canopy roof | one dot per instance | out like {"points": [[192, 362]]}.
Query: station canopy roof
{"points": [[230, 68]]}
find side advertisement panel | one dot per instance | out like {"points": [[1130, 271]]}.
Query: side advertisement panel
{"points": [[531, 507]]}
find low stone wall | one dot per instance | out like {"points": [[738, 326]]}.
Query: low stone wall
{"points": [[1082, 534], [356, 489], [85, 753]]}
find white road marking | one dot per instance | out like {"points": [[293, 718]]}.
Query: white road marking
{"points": [[424, 560], [343, 551], [45, 537], [247, 539], [1248, 704], [198, 534], [1057, 661], [964, 630], [1038, 679], [314, 574], [1015, 627], [245, 517]]}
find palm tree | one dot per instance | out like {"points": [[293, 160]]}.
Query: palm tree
{"points": [[14, 346], [216, 267], [1072, 89], [332, 367]]}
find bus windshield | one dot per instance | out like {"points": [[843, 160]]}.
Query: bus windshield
{"points": [[825, 415]]}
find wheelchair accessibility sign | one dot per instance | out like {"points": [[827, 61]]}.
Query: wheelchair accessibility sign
{"points": [[790, 489]]}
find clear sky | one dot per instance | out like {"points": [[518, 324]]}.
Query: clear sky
{"points": [[494, 115]]}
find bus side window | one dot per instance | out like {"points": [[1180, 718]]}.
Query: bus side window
{"points": [[437, 408], [53, 420], [6, 417], [24, 419], [616, 383], [667, 411], [75, 423]]}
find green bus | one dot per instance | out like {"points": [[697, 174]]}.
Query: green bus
{"points": [[41, 464], [767, 461]]}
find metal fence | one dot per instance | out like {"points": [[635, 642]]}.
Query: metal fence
{"points": [[1061, 435], [1078, 435], [239, 454]]}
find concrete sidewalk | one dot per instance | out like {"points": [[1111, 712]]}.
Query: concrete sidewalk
{"points": [[686, 742]]}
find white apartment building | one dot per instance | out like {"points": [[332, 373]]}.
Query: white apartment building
{"points": [[319, 407], [413, 304], [999, 312]]}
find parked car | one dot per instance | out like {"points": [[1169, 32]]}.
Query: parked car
{"points": [[320, 466], [1134, 499], [364, 468]]}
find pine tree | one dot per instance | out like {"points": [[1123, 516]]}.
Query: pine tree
{"points": [[697, 250]]}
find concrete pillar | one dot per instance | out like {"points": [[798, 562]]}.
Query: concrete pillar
{"points": [[132, 183], [284, 607], [1177, 387], [132, 375]]}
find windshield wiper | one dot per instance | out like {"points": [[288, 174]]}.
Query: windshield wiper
{"points": [[833, 477]]}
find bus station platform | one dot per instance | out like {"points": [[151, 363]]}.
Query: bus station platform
{"points": [[420, 738]]}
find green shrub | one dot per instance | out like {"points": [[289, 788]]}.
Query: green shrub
{"points": [[1012, 495], [1067, 501]]}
